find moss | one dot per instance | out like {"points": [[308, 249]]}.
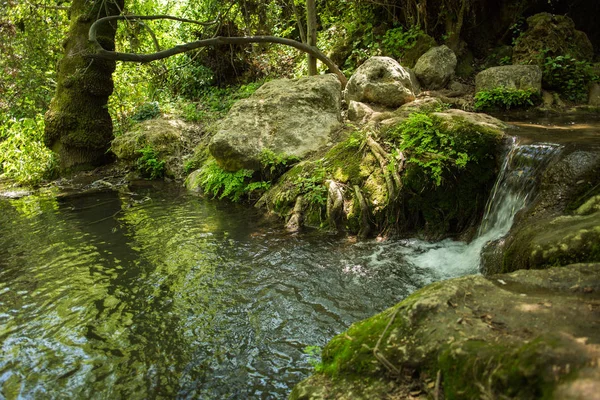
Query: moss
{"points": [[478, 369]]}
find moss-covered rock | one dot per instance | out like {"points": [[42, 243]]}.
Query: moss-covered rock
{"points": [[554, 35], [171, 140], [470, 338], [388, 190]]}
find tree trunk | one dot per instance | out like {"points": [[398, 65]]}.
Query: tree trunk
{"points": [[311, 22], [78, 126]]}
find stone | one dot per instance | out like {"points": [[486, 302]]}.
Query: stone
{"points": [[547, 99], [507, 336], [171, 139], [289, 117], [594, 95], [553, 35], [381, 80], [436, 67], [521, 77], [359, 112]]}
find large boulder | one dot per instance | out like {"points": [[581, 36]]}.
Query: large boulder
{"points": [[525, 335], [381, 80], [436, 67], [551, 35], [523, 77], [290, 118]]}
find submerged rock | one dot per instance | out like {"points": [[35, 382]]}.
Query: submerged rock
{"points": [[521, 77], [291, 118], [381, 80], [436, 67], [473, 337]]}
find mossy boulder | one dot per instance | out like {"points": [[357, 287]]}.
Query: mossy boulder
{"points": [[381, 80], [422, 44], [436, 68], [551, 35], [385, 191], [519, 77], [288, 117], [473, 337], [170, 139]]}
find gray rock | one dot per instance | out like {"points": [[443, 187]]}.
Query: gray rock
{"points": [[359, 112], [381, 80], [436, 67], [288, 117], [522, 77]]}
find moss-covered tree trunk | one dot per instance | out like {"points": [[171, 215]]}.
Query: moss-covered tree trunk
{"points": [[78, 126]]}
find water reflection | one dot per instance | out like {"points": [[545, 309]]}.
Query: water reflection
{"points": [[146, 295]]}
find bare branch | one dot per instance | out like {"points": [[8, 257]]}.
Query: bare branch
{"points": [[104, 54]]}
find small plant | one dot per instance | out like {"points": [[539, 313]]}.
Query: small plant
{"points": [[146, 111], [23, 156], [222, 184], [568, 76], [505, 98], [313, 357], [505, 60], [427, 144], [312, 185], [274, 164], [149, 163]]}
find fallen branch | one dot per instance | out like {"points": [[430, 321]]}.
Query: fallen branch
{"points": [[103, 54]]}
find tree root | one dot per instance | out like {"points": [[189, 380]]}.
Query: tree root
{"points": [[335, 204], [391, 175], [365, 224], [295, 222]]}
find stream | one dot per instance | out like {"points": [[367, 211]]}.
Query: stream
{"points": [[161, 294]]}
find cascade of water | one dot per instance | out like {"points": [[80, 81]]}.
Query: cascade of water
{"points": [[513, 189]]}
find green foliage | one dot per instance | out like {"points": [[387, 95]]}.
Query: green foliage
{"points": [[313, 358], [274, 164], [505, 98], [568, 76], [396, 41], [312, 185], [23, 156], [231, 185], [149, 163], [146, 111], [429, 145], [356, 140]]}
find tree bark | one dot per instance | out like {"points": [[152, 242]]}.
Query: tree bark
{"points": [[311, 22], [78, 126]]}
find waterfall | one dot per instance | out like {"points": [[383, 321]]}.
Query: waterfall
{"points": [[512, 191]]}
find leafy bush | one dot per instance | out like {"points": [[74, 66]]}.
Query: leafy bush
{"points": [[427, 144], [312, 185], [568, 76], [149, 163], [232, 185], [505, 98], [146, 111], [23, 156], [397, 40]]}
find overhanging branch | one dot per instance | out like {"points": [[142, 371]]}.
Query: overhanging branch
{"points": [[104, 54]]}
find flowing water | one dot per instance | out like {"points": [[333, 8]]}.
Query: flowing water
{"points": [[156, 294]]}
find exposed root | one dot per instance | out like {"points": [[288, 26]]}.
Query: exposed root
{"points": [[391, 175], [335, 204], [365, 224], [295, 222]]}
